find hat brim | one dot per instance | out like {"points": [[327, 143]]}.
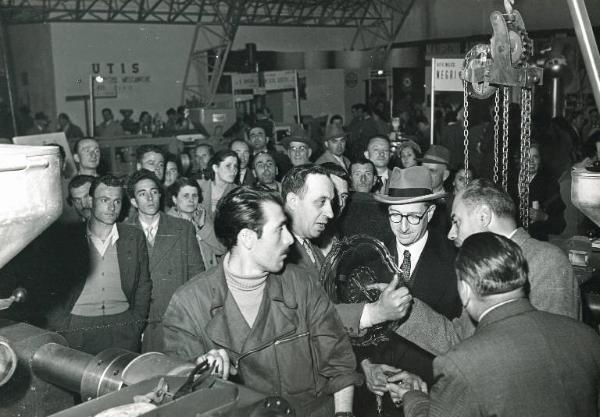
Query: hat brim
{"points": [[433, 161], [386, 199], [289, 139]]}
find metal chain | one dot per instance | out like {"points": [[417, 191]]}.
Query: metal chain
{"points": [[525, 146], [466, 130], [106, 326], [505, 127], [496, 129]]}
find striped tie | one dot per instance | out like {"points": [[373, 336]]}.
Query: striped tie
{"points": [[405, 266]]}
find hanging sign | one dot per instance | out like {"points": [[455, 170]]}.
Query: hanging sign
{"points": [[446, 74]]}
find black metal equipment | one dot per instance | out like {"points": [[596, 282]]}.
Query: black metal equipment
{"points": [[504, 62]]}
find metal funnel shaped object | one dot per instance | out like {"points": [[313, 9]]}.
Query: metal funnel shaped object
{"points": [[585, 192], [31, 195]]}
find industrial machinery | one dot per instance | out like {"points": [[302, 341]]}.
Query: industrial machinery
{"points": [[503, 64], [40, 375]]}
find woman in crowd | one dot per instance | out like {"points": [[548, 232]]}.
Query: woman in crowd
{"points": [[172, 170], [223, 168], [545, 205], [185, 198], [408, 154]]}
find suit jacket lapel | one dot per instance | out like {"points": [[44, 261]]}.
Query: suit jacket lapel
{"points": [[125, 257], [163, 242]]}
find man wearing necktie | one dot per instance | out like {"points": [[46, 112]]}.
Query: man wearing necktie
{"points": [[308, 193], [426, 261], [174, 254]]}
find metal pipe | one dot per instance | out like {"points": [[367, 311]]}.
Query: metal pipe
{"points": [[60, 365], [11, 100], [587, 44]]}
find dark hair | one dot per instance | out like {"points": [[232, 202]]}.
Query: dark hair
{"points": [[334, 169], [217, 158], [295, 179], [171, 111], [144, 149], [64, 116], [137, 176], [78, 142], [242, 209], [76, 182], [106, 109], [376, 137], [363, 161], [109, 180], [491, 264], [336, 117], [238, 140], [253, 158], [483, 191], [142, 114], [179, 183], [171, 157]]}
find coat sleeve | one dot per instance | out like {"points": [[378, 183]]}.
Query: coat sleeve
{"points": [[554, 288], [141, 300], [181, 336], [432, 331], [450, 395], [334, 355], [194, 258]]}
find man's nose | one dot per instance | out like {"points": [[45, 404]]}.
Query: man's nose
{"points": [[452, 232], [404, 225], [328, 210]]}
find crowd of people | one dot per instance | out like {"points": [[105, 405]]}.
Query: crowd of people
{"points": [[222, 262]]}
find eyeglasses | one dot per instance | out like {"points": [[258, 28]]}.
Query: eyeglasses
{"points": [[413, 219]]}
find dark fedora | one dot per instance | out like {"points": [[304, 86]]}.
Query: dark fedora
{"points": [[299, 136], [334, 132], [410, 185], [437, 154]]}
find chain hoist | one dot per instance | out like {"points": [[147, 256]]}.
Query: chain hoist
{"points": [[504, 63]]}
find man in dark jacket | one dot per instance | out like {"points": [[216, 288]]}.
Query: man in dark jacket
{"points": [[520, 361], [270, 325], [107, 283]]}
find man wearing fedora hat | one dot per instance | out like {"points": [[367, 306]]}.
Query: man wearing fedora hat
{"points": [[425, 258], [299, 147], [335, 145]]}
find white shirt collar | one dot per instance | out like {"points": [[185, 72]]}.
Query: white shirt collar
{"points": [[490, 309], [153, 225], [510, 236], [100, 245], [416, 249]]}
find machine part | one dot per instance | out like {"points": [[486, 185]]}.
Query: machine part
{"points": [[61, 365], [505, 127], [110, 370], [585, 192], [475, 67], [587, 44], [524, 179], [26, 394], [150, 364], [127, 410], [8, 361], [31, 176], [496, 133], [345, 280], [466, 130]]}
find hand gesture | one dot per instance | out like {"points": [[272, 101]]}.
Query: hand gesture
{"points": [[376, 376], [401, 383], [393, 303], [220, 358]]}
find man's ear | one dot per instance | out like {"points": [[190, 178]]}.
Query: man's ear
{"points": [[138, 166], [484, 215], [133, 203], [430, 212], [309, 151], [76, 158], [446, 174], [464, 292], [291, 201], [246, 238], [366, 154]]}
